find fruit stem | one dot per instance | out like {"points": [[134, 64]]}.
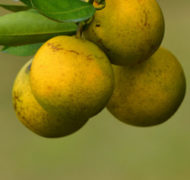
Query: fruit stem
{"points": [[79, 30], [99, 4]]}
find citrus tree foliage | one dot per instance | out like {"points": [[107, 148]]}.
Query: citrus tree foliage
{"points": [[28, 25]]}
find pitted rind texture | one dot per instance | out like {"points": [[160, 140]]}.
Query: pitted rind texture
{"points": [[71, 76], [128, 31], [33, 116], [149, 93]]}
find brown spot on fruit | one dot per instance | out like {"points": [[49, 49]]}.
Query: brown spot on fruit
{"points": [[16, 97], [72, 51], [54, 47], [19, 113], [97, 25], [89, 57], [146, 18], [49, 87], [146, 24]]}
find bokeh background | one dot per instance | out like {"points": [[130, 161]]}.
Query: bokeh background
{"points": [[104, 149]]}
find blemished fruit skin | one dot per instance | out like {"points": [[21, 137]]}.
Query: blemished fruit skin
{"points": [[33, 116], [71, 76], [129, 31], [149, 93]]}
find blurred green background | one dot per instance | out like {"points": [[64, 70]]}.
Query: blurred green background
{"points": [[104, 149]]}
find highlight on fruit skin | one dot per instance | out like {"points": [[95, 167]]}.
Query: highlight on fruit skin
{"points": [[33, 116], [72, 77], [149, 93], [129, 31]]}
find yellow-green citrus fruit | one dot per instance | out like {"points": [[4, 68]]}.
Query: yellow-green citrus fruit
{"points": [[129, 31], [33, 116], [149, 93], [71, 76]]}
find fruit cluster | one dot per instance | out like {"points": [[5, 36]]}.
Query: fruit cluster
{"points": [[118, 63]]}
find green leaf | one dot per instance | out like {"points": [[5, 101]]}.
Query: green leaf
{"points": [[25, 50], [65, 10], [27, 2], [28, 27], [14, 8]]}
